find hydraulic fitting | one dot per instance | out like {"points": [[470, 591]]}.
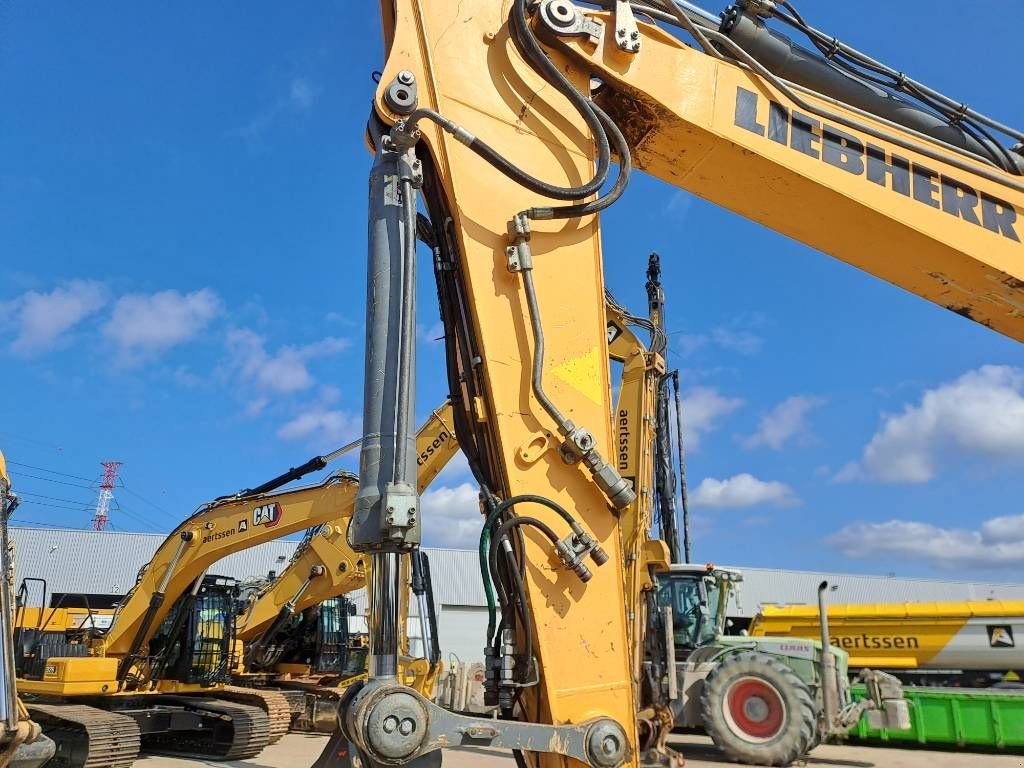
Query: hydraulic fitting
{"points": [[574, 548], [579, 445], [571, 559], [763, 8], [617, 488]]}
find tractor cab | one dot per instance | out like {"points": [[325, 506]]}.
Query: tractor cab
{"points": [[697, 597]]}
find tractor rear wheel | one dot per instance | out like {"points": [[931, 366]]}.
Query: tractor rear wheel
{"points": [[757, 711]]}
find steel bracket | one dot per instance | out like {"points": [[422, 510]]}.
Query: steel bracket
{"points": [[627, 34], [562, 18], [394, 725]]}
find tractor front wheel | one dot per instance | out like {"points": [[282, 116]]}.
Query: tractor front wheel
{"points": [[757, 711]]}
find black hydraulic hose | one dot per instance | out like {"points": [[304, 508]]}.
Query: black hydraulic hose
{"points": [[605, 200], [506, 167], [508, 525], [428, 582], [835, 117], [525, 41], [519, 602], [501, 535], [683, 495], [530, 498], [524, 613], [827, 43], [529, 48]]}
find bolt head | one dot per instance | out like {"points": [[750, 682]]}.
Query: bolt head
{"points": [[405, 77], [609, 745]]}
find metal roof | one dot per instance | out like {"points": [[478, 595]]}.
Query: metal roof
{"points": [[107, 562]]}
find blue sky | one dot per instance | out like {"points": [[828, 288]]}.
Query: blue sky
{"points": [[182, 233]]}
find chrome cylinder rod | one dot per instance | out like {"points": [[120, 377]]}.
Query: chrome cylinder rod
{"points": [[384, 620]]}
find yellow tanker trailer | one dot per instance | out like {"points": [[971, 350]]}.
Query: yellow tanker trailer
{"points": [[975, 643]]}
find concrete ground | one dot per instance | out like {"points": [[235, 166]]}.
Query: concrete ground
{"points": [[300, 750]]}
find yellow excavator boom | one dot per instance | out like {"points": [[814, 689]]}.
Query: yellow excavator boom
{"points": [[507, 116]]}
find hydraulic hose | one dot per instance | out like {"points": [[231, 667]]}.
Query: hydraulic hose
{"points": [[529, 498]]}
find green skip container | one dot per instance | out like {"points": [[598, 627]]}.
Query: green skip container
{"points": [[978, 718]]}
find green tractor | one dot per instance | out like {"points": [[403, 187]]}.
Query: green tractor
{"points": [[763, 700]]}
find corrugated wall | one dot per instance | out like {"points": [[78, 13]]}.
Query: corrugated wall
{"points": [[106, 562]]}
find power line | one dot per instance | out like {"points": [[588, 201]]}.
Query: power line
{"points": [[37, 524], [56, 506], [136, 517], [22, 494], [59, 482], [147, 501], [51, 471]]}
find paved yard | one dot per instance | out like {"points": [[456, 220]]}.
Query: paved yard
{"points": [[298, 750]]}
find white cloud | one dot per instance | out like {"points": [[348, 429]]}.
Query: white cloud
{"points": [[732, 339], [678, 205], [301, 93], [783, 422], [744, 342], [688, 343], [285, 371], [330, 427], [980, 414], [41, 318], [1006, 528], [702, 409], [299, 99], [849, 472], [451, 516], [255, 407], [743, 490], [999, 543], [144, 325]]}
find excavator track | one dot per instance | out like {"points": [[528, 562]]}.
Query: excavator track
{"points": [[296, 699], [87, 737], [235, 731], [274, 703]]}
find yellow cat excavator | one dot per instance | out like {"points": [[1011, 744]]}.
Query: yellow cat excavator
{"points": [[519, 122], [157, 672]]}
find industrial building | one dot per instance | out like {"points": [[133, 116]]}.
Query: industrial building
{"points": [[104, 564]]}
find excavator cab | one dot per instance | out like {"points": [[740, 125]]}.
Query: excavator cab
{"points": [[316, 641], [332, 636], [194, 643]]}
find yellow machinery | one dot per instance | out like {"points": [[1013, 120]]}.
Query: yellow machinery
{"points": [[154, 672], [965, 643], [155, 669], [295, 630], [22, 743], [507, 117], [324, 566]]}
